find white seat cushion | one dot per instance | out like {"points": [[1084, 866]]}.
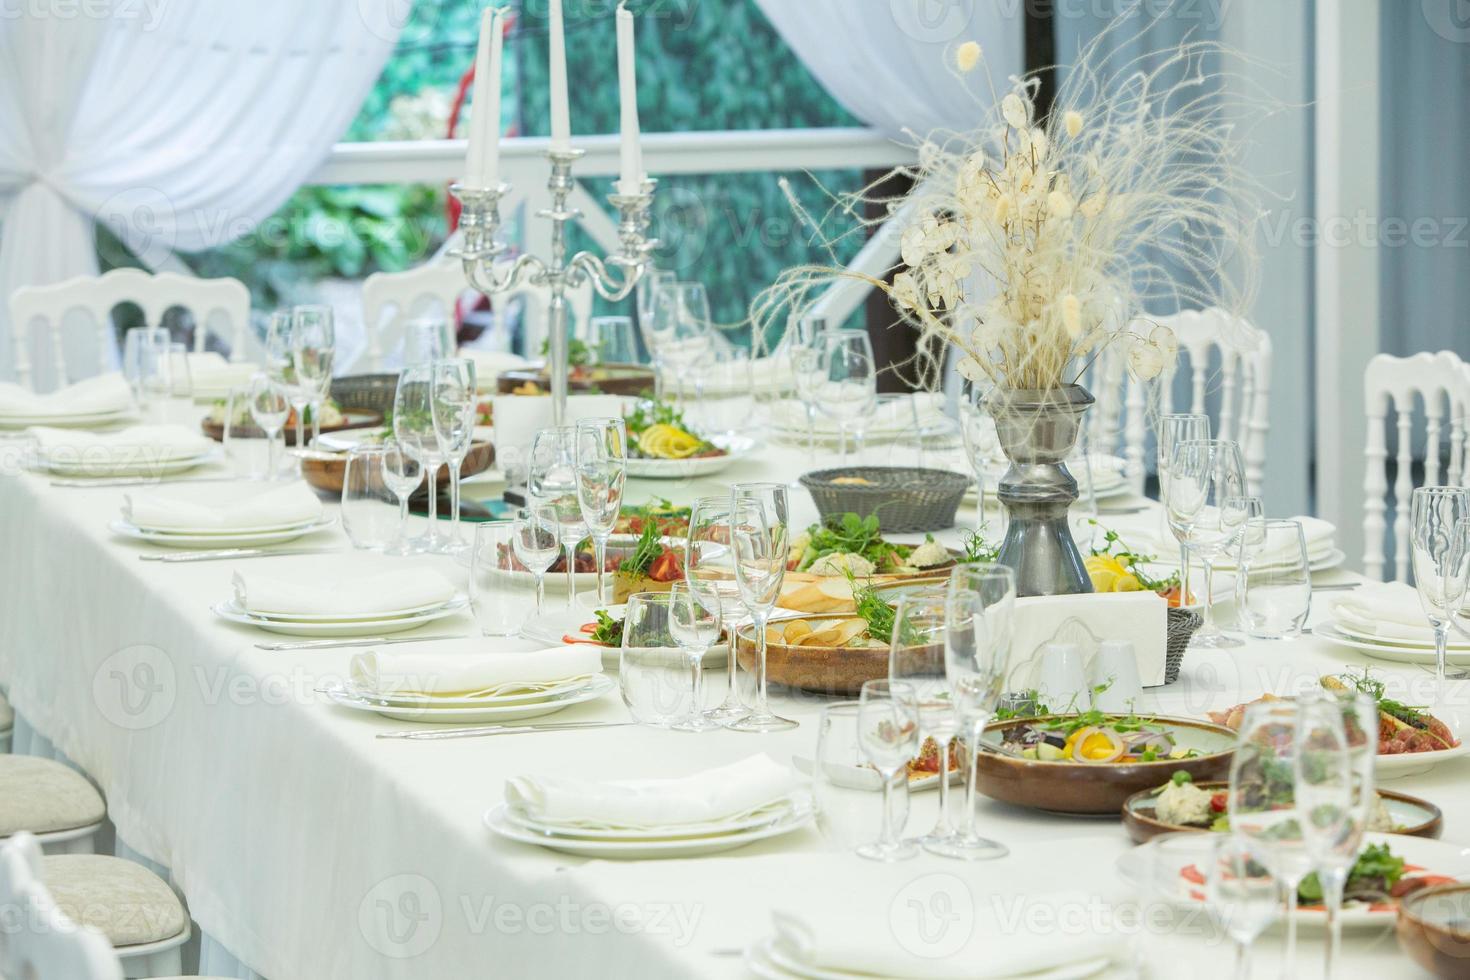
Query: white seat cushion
{"points": [[7, 715], [42, 795], [128, 903]]}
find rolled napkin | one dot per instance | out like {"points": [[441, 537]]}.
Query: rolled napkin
{"points": [[140, 443], [467, 670], [94, 396], [322, 586], [1389, 611], [223, 507], [753, 783]]}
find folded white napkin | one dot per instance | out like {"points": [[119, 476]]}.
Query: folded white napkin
{"points": [[321, 585], [1389, 611], [215, 377], [94, 396], [749, 784], [223, 506], [900, 414], [1319, 535], [139, 443], [466, 669]]}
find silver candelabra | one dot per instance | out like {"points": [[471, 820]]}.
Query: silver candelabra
{"points": [[482, 253]]}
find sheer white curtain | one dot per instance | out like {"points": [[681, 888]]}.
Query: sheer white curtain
{"points": [[890, 62], [178, 125]]}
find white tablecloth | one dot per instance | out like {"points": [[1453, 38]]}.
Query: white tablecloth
{"points": [[311, 850]]}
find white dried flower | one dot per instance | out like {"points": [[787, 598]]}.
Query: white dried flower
{"points": [[1145, 361], [1072, 315], [911, 245], [1073, 122], [970, 369], [1039, 143], [1013, 108], [905, 291], [968, 56], [1092, 207], [1002, 209], [1059, 205]]}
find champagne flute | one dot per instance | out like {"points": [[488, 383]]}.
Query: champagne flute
{"points": [[402, 472], [1174, 431], [453, 406], [537, 541], [808, 338], [977, 429], [601, 448], [413, 427], [709, 568], [916, 657], [888, 733], [760, 536], [1206, 506], [978, 623], [694, 620], [848, 386], [313, 341], [1441, 569], [268, 407], [552, 478]]}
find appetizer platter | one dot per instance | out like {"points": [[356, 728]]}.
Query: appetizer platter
{"points": [[325, 468], [662, 444], [585, 375], [334, 419], [923, 771]]}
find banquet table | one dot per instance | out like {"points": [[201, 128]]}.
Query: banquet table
{"points": [[310, 850]]}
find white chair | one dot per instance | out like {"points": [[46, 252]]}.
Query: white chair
{"points": [[7, 724], [40, 942], [97, 296], [1440, 384], [50, 800]]}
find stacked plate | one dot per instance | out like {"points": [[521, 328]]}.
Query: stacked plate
{"points": [[470, 709], [142, 450], [317, 596], [1385, 621], [203, 537], [916, 419], [1322, 550], [214, 515], [99, 401], [341, 624]]}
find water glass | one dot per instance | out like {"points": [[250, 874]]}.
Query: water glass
{"points": [[538, 539], [247, 448], [427, 339], [602, 468], [760, 537], [653, 668], [402, 473], [501, 593], [610, 340], [888, 733], [681, 334], [1441, 562], [694, 620], [916, 657], [139, 351], [1273, 586], [369, 508], [848, 814], [709, 568]]}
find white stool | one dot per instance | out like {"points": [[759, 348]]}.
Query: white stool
{"points": [[52, 801], [7, 724]]}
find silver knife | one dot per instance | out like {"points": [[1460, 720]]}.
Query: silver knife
{"points": [[226, 553], [356, 641], [138, 481], [420, 735]]}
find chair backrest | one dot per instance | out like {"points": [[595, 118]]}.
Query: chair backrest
{"points": [[39, 942], [97, 296], [1440, 383], [1118, 422], [536, 309], [392, 299]]}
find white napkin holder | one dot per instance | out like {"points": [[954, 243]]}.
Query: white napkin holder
{"points": [[1139, 618]]}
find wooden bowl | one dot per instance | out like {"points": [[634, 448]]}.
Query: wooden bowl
{"points": [[1419, 818], [325, 471], [823, 669], [609, 379], [1433, 927], [352, 418], [1097, 787]]}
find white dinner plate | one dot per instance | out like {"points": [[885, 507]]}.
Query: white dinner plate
{"points": [[1353, 633], [1402, 653], [217, 539], [773, 959], [736, 448], [98, 419], [397, 700], [761, 817], [500, 822], [514, 711], [383, 614], [558, 622], [78, 465], [231, 611]]}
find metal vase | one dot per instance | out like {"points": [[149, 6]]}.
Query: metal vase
{"points": [[1037, 431]]}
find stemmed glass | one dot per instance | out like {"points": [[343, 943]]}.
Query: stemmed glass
{"points": [[269, 408], [413, 427], [807, 339], [1173, 432], [979, 619], [537, 541], [709, 568], [681, 334], [313, 341], [888, 733], [426, 339], [552, 479], [610, 340], [602, 467], [402, 472], [453, 405], [694, 620], [760, 536], [916, 657], [848, 386], [1203, 477], [1441, 569], [1238, 891], [977, 429]]}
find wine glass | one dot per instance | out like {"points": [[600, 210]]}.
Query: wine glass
{"points": [[1238, 892], [137, 351], [1338, 735], [847, 388], [1441, 569], [1204, 476], [808, 334], [760, 536], [888, 732], [313, 341], [916, 657], [454, 398], [268, 407], [681, 333], [978, 623], [709, 568], [1263, 805], [413, 427], [1273, 581], [402, 472], [537, 541], [427, 339], [1173, 432], [694, 620], [602, 468], [552, 478], [611, 341], [977, 429]]}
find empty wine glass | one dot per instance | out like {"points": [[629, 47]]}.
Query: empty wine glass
{"points": [[978, 624], [1204, 476], [760, 535], [610, 340], [453, 408], [916, 657], [681, 334], [1174, 431], [982, 441], [552, 478], [709, 568], [1273, 583], [694, 619], [808, 337], [888, 732], [402, 472], [537, 541], [313, 341], [602, 467], [848, 387], [413, 427], [268, 407], [1441, 569]]}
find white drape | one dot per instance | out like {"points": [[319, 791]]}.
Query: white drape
{"points": [[890, 62], [178, 125]]}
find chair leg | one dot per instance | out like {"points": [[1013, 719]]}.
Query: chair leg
{"points": [[168, 963], [5, 741]]}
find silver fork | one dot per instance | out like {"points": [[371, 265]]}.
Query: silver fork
{"points": [[428, 734]]}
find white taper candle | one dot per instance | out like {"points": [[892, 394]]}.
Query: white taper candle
{"points": [[483, 160], [632, 151], [561, 123]]}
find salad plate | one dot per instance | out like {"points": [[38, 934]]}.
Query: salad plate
{"points": [[215, 539], [489, 710], [230, 611], [1396, 652], [732, 448]]}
